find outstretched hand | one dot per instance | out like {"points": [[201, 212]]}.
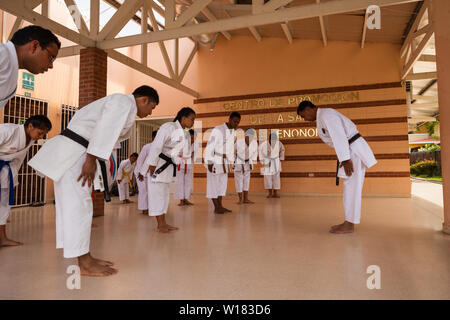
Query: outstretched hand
{"points": [[88, 171], [348, 167]]}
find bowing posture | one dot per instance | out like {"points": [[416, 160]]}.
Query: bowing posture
{"points": [[353, 153], [246, 154], [15, 140], [32, 48], [185, 171], [161, 162], [142, 180], [271, 153], [219, 153], [125, 177], [70, 160]]}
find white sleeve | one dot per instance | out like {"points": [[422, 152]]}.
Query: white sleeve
{"points": [[119, 170], [211, 147], [155, 149], [107, 129], [5, 72], [281, 151], [337, 133]]}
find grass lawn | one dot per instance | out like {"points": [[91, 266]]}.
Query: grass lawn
{"points": [[428, 178]]}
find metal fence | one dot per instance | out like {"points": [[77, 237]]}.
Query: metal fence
{"points": [[31, 188]]}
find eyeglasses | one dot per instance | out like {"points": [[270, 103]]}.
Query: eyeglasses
{"points": [[52, 58]]}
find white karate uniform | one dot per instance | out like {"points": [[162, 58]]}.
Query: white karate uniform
{"points": [[246, 156], [271, 157], [185, 174], [9, 69], [335, 130], [13, 148], [125, 173], [103, 123], [142, 185], [220, 142], [169, 140]]}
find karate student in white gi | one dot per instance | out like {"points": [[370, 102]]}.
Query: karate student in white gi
{"points": [[353, 153], [271, 153], [219, 153], [15, 140], [246, 154], [70, 160], [32, 48], [142, 180], [161, 164], [185, 171], [125, 176]]}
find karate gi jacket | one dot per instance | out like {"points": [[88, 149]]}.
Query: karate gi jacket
{"points": [[9, 69], [169, 140], [335, 130], [12, 148], [270, 157], [220, 142], [245, 152], [103, 123]]}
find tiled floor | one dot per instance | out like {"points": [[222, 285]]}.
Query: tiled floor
{"points": [[274, 249]]}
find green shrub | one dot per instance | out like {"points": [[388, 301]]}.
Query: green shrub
{"points": [[427, 167], [430, 147]]}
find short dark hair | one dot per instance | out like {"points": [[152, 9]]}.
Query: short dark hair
{"points": [[305, 103], [235, 114], [30, 33], [154, 134], [40, 122], [146, 91], [134, 154]]}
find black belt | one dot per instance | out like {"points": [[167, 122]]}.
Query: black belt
{"points": [[350, 141], [165, 165], [80, 140]]}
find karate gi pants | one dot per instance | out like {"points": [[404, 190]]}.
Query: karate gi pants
{"points": [[272, 181], [124, 189], [5, 208], [158, 198], [242, 180], [353, 186], [143, 194], [216, 184], [74, 211], [183, 184]]}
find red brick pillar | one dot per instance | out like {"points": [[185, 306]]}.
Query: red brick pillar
{"points": [[93, 67]]}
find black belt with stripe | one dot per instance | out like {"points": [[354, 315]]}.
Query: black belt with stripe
{"points": [[165, 165], [350, 141], [80, 140]]}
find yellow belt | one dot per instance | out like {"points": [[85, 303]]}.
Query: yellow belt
{"points": [[126, 174]]}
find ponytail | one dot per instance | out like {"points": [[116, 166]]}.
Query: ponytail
{"points": [[184, 112]]}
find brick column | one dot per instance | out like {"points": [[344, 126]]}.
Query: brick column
{"points": [[441, 14], [93, 67]]}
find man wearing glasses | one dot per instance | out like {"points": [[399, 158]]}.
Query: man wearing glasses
{"points": [[32, 48]]}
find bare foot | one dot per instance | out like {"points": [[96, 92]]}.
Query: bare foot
{"points": [[163, 229], [94, 225], [275, 196], [226, 210], [345, 227], [9, 243], [145, 212], [187, 202], [127, 201], [94, 269], [239, 202], [219, 211], [171, 228], [181, 204], [248, 201], [269, 196], [103, 262]]}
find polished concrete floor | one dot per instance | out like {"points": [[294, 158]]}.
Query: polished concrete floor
{"points": [[274, 249]]}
